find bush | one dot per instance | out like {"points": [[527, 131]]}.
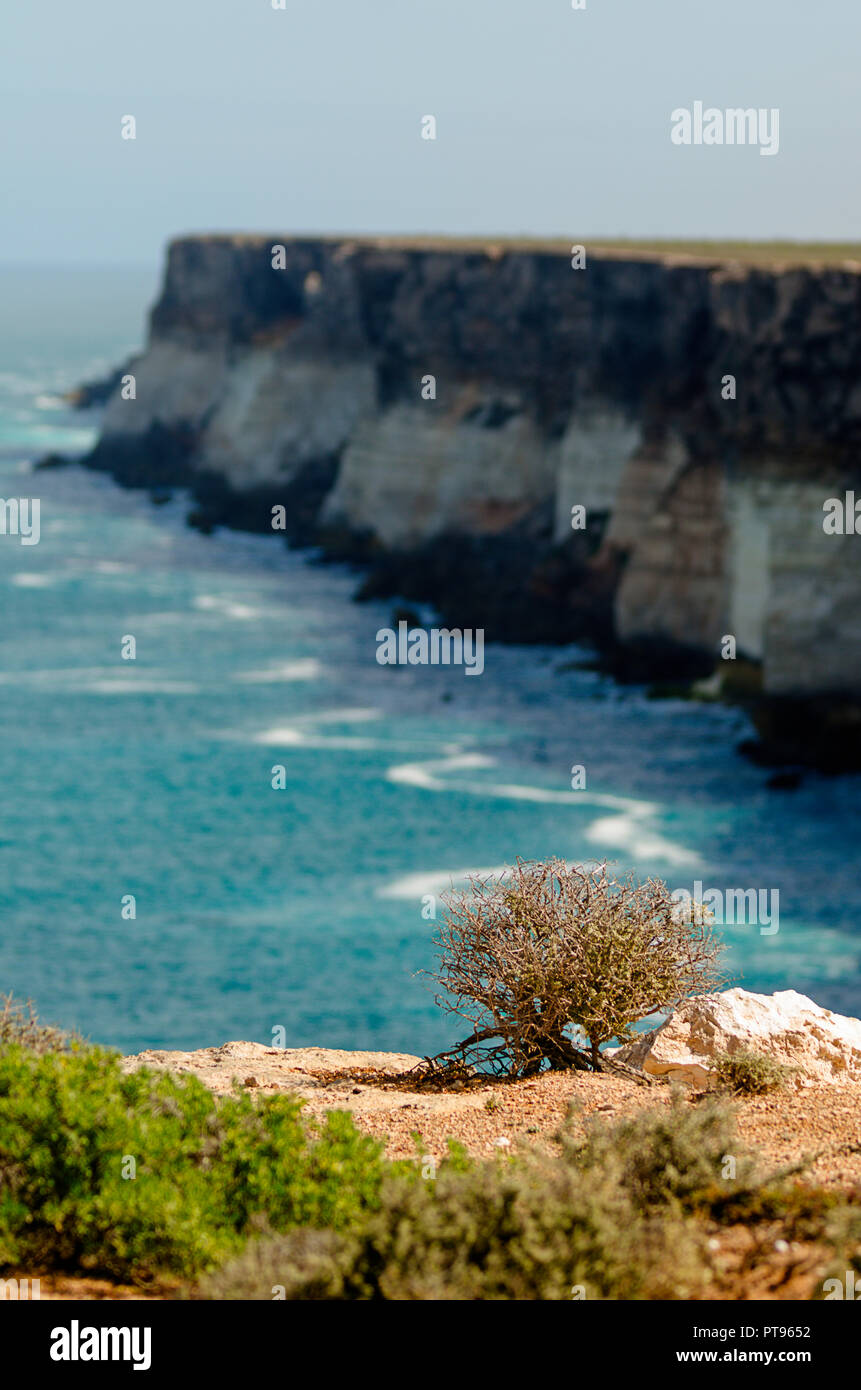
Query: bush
{"points": [[550, 948], [672, 1154], [206, 1174], [19, 1024], [842, 1279], [609, 1218], [522, 1232], [750, 1073]]}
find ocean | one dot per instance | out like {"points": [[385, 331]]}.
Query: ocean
{"points": [[310, 907]]}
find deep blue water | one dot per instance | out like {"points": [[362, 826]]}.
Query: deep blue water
{"points": [[303, 907]]}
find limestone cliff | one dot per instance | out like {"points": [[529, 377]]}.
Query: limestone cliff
{"points": [[553, 388]]}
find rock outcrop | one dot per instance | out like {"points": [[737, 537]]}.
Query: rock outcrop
{"points": [[819, 1046], [437, 411]]}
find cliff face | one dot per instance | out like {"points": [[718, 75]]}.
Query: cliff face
{"points": [[553, 388]]}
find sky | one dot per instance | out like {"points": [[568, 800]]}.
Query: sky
{"points": [[550, 120]]}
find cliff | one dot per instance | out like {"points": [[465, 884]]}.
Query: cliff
{"points": [[552, 388]]}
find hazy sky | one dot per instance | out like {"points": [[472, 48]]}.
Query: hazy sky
{"points": [[550, 120]]}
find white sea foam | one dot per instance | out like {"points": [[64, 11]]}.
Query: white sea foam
{"points": [[303, 669], [628, 833], [628, 830], [33, 581], [67, 677], [113, 567], [133, 686], [426, 774], [342, 716], [302, 732], [96, 681], [435, 881], [291, 737], [215, 603], [438, 881]]}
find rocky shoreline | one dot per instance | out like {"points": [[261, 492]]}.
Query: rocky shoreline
{"points": [[635, 453]]}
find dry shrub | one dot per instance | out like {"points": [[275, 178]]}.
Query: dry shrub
{"points": [[20, 1026], [549, 949]]}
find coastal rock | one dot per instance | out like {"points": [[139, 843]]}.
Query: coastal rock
{"points": [[636, 455], [819, 1045]]}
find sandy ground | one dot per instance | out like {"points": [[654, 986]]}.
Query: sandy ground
{"points": [[822, 1120]]}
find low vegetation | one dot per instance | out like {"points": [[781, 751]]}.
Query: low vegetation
{"points": [[748, 1073], [551, 952], [19, 1023], [132, 1174], [757, 253], [653, 1207]]}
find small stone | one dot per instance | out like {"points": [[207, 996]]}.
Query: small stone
{"points": [[251, 1081]]}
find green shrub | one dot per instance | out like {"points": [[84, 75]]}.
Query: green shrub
{"points": [[207, 1172], [495, 1232], [750, 1073], [674, 1153], [308, 1265], [609, 1217], [844, 1235]]}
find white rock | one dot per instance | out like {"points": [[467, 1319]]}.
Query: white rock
{"points": [[787, 1026]]}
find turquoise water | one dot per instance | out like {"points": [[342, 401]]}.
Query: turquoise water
{"points": [[303, 907]]}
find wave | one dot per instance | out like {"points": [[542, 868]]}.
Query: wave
{"points": [[435, 882], [139, 687], [303, 669], [96, 681], [23, 580], [439, 881], [628, 833], [627, 830], [228, 607], [291, 737]]}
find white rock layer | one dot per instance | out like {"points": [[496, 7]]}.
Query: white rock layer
{"points": [[786, 1026]]}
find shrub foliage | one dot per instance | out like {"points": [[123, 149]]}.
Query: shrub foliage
{"points": [[609, 1219], [551, 948], [751, 1073], [124, 1173]]}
